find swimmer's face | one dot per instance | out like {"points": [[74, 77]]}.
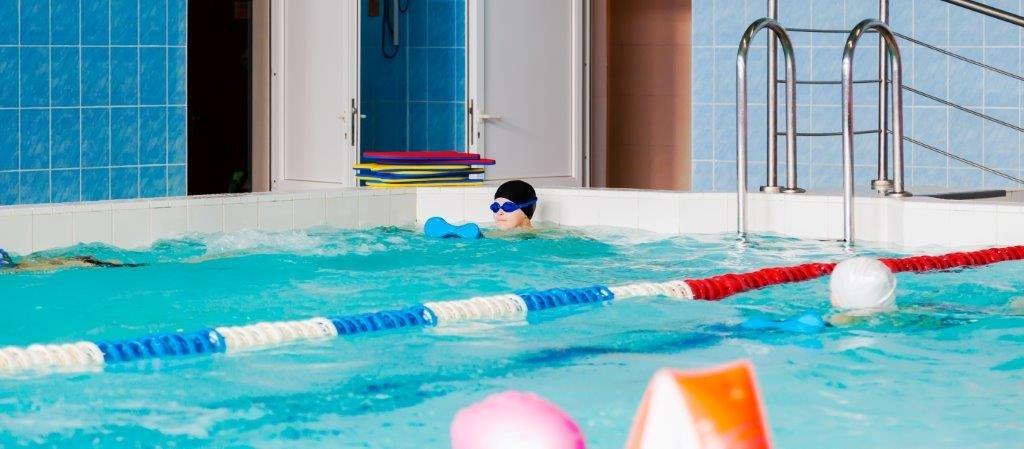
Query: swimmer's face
{"points": [[510, 220]]}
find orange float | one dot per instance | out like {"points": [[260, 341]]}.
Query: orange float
{"points": [[716, 408]]}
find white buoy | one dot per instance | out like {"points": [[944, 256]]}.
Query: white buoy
{"points": [[862, 284]]}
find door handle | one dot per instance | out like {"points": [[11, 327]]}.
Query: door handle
{"points": [[355, 113], [471, 123], [484, 117]]}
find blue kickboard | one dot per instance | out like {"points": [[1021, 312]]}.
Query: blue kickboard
{"points": [[438, 227], [803, 324]]}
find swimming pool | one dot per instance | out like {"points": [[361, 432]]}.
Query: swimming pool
{"points": [[947, 371]]}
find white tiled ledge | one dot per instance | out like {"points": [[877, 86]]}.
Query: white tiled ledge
{"points": [[902, 223], [139, 223], [916, 222]]}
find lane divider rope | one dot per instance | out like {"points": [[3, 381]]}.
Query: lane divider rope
{"points": [[86, 355]]}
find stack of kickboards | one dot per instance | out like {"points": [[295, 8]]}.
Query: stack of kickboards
{"points": [[389, 169]]}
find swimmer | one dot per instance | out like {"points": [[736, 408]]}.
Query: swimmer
{"points": [[514, 205], [862, 292], [31, 264], [861, 287]]}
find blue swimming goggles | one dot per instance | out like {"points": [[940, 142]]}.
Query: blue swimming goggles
{"points": [[510, 207]]}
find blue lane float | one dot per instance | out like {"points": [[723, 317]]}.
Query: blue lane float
{"points": [[230, 339], [85, 355], [393, 319], [205, 341], [560, 297]]}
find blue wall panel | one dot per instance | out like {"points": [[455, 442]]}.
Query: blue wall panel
{"points": [[416, 100], [92, 99]]}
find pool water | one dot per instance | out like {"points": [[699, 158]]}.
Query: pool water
{"points": [[946, 371]]}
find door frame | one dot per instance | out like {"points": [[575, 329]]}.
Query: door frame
{"points": [[260, 96], [581, 11], [277, 81]]}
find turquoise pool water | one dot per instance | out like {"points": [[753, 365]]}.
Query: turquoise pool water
{"points": [[946, 371]]}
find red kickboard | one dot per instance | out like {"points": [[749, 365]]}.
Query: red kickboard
{"points": [[433, 161], [419, 155]]}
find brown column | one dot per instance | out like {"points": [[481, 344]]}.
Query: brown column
{"points": [[648, 94]]}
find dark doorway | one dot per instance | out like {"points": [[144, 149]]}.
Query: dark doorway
{"points": [[219, 96]]}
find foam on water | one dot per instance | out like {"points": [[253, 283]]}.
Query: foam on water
{"points": [[305, 242]]}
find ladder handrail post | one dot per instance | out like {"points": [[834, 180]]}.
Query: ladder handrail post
{"points": [[741, 109], [894, 56], [882, 183], [772, 183]]}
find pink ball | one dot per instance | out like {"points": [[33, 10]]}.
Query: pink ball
{"points": [[515, 420]]}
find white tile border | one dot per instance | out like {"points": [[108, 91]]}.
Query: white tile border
{"points": [[94, 226], [139, 223], [903, 223]]}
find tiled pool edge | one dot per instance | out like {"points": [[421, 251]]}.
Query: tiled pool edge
{"points": [[907, 223], [139, 223], [910, 223]]}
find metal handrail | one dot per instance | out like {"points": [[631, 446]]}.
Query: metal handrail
{"points": [[895, 60], [964, 108], [833, 134], [741, 114], [881, 183], [887, 46], [990, 11], [963, 160], [771, 184], [818, 30], [961, 58], [822, 82]]}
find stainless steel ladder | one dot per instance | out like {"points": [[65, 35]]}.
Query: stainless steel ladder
{"points": [[779, 32], [889, 58], [895, 188]]}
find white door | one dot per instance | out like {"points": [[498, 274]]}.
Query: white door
{"points": [[526, 88], [313, 93]]}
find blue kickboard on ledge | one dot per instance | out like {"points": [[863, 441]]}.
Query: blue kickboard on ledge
{"points": [[438, 227]]}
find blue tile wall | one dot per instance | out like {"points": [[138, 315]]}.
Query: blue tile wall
{"points": [[718, 25], [416, 100], [92, 100]]}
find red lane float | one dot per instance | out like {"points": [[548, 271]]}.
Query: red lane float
{"points": [[722, 286], [954, 260]]}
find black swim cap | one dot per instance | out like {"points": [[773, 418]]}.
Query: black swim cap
{"points": [[518, 192]]}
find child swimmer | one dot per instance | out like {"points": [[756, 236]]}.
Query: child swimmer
{"points": [[863, 292], [514, 205], [513, 208], [859, 289]]}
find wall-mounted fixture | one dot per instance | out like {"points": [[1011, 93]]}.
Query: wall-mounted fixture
{"points": [[389, 25]]}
